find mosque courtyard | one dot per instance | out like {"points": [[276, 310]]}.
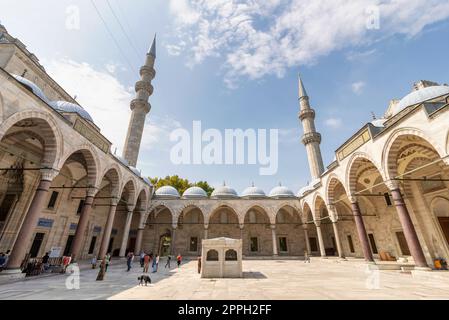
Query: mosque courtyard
{"points": [[263, 280]]}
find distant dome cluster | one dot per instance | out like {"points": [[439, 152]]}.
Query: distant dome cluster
{"points": [[60, 106], [224, 192]]}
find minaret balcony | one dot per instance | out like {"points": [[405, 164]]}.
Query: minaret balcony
{"points": [[144, 85], [311, 137], [148, 70], [140, 104], [306, 114]]}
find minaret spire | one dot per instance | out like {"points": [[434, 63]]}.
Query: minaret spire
{"points": [[140, 107], [311, 138]]}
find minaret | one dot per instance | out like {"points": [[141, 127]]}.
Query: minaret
{"points": [[311, 139], [140, 107]]}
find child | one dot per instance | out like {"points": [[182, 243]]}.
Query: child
{"points": [[179, 260], [94, 262]]}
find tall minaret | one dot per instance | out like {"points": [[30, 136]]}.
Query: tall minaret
{"points": [[311, 139], [140, 108]]}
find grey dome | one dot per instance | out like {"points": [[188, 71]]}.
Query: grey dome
{"points": [[167, 192], [224, 192], [33, 87], [281, 192], [253, 192], [64, 106], [419, 96], [194, 193]]}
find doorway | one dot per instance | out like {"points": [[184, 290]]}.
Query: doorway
{"points": [[68, 246], [36, 246], [403, 243], [444, 223], [165, 245]]}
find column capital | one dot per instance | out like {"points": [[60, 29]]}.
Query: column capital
{"points": [[392, 184], [48, 174], [317, 223], [272, 226], [241, 226], [352, 198], [91, 191], [206, 226], [114, 201], [174, 226], [130, 208], [305, 226], [333, 214]]}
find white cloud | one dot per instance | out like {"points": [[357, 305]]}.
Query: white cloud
{"points": [[107, 101], [259, 37], [357, 87], [333, 123]]}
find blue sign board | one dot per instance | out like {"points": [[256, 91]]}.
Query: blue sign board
{"points": [[45, 223], [97, 229], [73, 226]]}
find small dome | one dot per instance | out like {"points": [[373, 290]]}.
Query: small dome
{"points": [[281, 192], [64, 106], [33, 87], [167, 192], [253, 192], [194, 193], [224, 192], [419, 96]]}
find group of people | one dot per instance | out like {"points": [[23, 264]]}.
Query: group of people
{"points": [[147, 259]]}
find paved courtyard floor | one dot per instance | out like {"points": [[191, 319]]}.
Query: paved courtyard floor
{"points": [[263, 279]]}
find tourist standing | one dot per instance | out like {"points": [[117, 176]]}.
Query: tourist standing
{"points": [[129, 260], [199, 264], [142, 259], [157, 262], [65, 263], [2, 260], [146, 263], [168, 262], [306, 257], [179, 260], [154, 267], [107, 261], [45, 259]]}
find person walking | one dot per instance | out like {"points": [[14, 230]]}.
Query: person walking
{"points": [[154, 265], [168, 262], [142, 259], [129, 260], [65, 263], [306, 257], [107, 261], [146, 263], [179, 260], [45, 264], [157, 262], [199, 264]]}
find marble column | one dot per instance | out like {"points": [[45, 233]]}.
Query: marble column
{"points": [[173, 239], [108, 229], [320, 238], [140, 231], [409, 230], [361, 231], [83, 221], [334, 219], [129, 218], [307, 240], [29, 224], [274, 239]]}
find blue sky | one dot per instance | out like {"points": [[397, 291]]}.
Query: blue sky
{"points": [[234, 64]]}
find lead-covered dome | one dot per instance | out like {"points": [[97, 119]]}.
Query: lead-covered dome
{"points": [[32, 87], [281, 192], [64, 106], [194, 193], [224, 192], [419, 96], [167, 192], [253, 192]]}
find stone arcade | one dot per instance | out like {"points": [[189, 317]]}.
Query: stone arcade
{"points": [[385, 196]]}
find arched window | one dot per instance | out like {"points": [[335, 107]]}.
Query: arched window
{"points": [[231, 255], [212, 255]]}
